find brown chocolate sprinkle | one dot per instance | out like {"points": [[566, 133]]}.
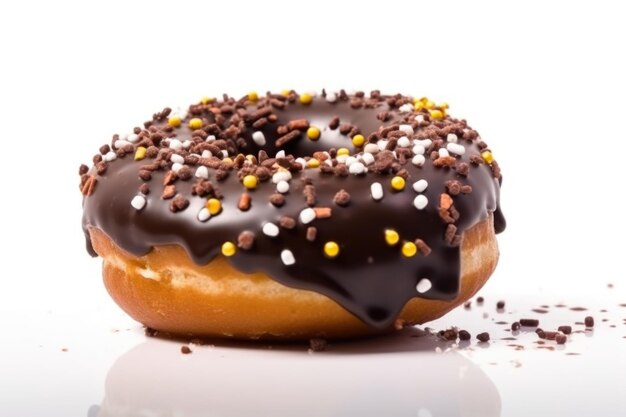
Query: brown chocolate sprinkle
{"points": [[89, 186], [244, 202], [516, 326], [169, 191], [589, 321], [342, 198], [178, 203], [185, 350], [539, 310], [150, 332], [467, 305], [311, 233], [464, 335], [480, 300], [323, 212], [483, 337], [245, 240], [561, 339], [565, 329], [529, 322], [422, 247], [317, 344], [277, 199], [500, 305], [285, 139], [578, 309]]}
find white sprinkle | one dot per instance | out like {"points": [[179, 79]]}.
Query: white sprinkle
{"points": [[206, 153], [331, 97], [420, 202], [282, 187], [177, 158], [202, 172], [204, 214], [382, 144], [419, 118], [356, 168], [176, 167], [377, 191], [186, 144], [371, 148], [133, 137], [121, 143], [282, 175], [341, 159], [176, 144], [301, 161], [419, 150], [224, 153], [287, 257], [406, 108], [404, 142], [455, 148], [351, 160], [138, 202], [408, 129], [452, 138], [424, 142], [210, 138], [280, 154], [307, 215], [418, 160], [329, 162], [443, 152], [367, 158], [259, 138], [420, 186], [270, 229], [424, 285], [110, 156]]}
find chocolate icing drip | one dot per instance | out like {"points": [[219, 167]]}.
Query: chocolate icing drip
{"points": [[370, 278]]}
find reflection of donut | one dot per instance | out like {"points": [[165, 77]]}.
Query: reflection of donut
{"points": [[293, 216], [210, 382]]}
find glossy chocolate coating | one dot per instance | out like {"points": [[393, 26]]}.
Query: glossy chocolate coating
{"points": [[370, 278]]}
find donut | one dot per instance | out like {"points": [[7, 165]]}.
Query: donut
{"points": [[293, 216]]}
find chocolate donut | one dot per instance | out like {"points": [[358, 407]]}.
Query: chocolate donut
{"points": [[294, 215]]}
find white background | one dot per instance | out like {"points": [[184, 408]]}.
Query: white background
{"points": [[543, 82]]}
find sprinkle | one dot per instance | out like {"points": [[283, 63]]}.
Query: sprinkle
{"points": [[342, 198], [244, 202], [250, 182], [561, 339], [455, 148], [228, 249], [423, 285], [408, 129], [270, 229], [529, 322], [350, 160], [253, 96], [214, 206], [119, 144], [487, 156], [287, 257], [313, 163], [206, 100], [515, 326], [204, 215], [176, 167], [110, 156], [406, 108], [420, 186], [306, 98], [483, 337], [409, 249], [282, 175], [367, 158], [175, 144], [282, 187], [245, 240], [202, 172], [382, 144], [343, 151], [323, 212], [589, 321], [436, 114], [420, 202], [358, 140], [391, 237], [307, 215], [464, 335], [452, 138], [404, 142], [285, 93], [398, 183], [176, 158], [331, 249], [313, 133], [443, 153], [423, 247], [195, 123], [356, 168], [371, 148], [132, 138], [259, 138], [376, 190], [331, 97], [311, 233], [565, 329], [174, 121], [418, 160], [138, 202]]}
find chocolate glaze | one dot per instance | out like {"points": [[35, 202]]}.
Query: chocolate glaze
{"points": [[369, 278]]}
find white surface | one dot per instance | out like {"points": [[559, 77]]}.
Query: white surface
{"points": [[542, 82]]}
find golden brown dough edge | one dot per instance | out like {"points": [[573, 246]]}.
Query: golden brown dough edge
{"points": [[166, 291]]}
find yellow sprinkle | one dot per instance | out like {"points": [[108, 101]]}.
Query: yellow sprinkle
{"points": [[227, 160], [358, 140], [250, 157], [285, 93], [343, 151], [444, 105], [253, 96], [206, 100], [436, 114], [419, 105], [398, 183], [313, 133], [429, 104], [174, 121], [487, 156], [140, 153], [391, 237], [331, 249], [409, 249], [313, 163], [250, 182], [195, 123], [214, 206], [228, 249], [306, 98]]}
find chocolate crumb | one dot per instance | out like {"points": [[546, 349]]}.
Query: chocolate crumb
{"points": [[287, 222], [342, 198], [561, 339], [464, 335], [480, 300], [467, 305], [245, 240], [277, 199], [483, 337], [83, 169], [311, 233], [565, 329], [144, 189], [185, 350], [333, 123], [150, 332], [515, 326], [500, 305], [169, 191], [318, 344], [178, 203], [309, 195], [589, 321]]}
